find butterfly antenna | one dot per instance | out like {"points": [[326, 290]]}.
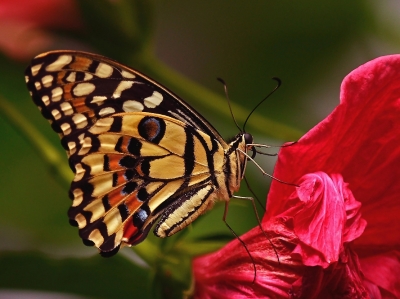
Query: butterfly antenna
{"points": [[229, 102], [268, 95]]}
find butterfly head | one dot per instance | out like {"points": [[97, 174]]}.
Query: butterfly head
{"points": [[247, 138], [248, 142], [239, 147]]}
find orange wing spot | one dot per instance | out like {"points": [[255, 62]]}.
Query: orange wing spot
{"points": [[80, 63], [139, 170], [67, 92], [80, 105], [60, 77], [133, 203], [91, 114], [115, 196], [121, 179], [124, 144], [131, 231], [114, 161]]}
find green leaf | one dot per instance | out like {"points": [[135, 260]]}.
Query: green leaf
{"points": [[95, 277]]}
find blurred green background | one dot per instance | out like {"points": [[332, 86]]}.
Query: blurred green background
{"points": [[185, 45]]}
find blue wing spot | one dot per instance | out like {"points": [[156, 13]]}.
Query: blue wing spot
{"points": [[140, 217]]}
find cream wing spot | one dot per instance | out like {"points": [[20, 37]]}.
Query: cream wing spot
{"points": [[56, 114], [47, 80], [38, 86], [79, 172], [95, 162], [113, 220], [86, 146], [99, 100], [66, 108], [71, 77], [132, 106], [81, 137], [106, 111], [83, 89], [102, 184], [36, 68], [103, 70], [80, 120], [154, 100], [127, 75], [118, 238], [123, 85], [66, 128], [78, 197], [81, 220], [56, 94], [46, 100], [26, 79], [97, 209], [101, 126], [96, 237], [57, 65], [87, 77], [71, 147]]}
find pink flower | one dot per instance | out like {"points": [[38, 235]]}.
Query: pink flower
{"points": [[24, 25], [337, 235]]}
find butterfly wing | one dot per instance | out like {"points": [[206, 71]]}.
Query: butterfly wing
{"points": [[137, 150], [135, 168], [66, 83]]}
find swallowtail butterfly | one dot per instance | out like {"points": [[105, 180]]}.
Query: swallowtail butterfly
{"points": [[140, 154]]}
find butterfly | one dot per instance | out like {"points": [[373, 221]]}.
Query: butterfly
{"points": [[140, 154]]}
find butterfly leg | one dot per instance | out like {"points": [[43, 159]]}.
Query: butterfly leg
{"points": [[251, 199], [240, 240]]}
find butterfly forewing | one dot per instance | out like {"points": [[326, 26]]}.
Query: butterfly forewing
{"points": [[139, 153]]}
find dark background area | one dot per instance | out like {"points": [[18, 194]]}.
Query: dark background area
{"points": [[310, 45]]}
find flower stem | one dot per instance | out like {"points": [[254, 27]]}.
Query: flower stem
{"points": [[210, 100], [49, 154]]}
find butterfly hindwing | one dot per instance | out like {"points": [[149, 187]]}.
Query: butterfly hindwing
{"points": [[127, 182], [139, 153]]}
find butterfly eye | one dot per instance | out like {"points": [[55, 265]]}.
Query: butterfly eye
{"points": [[248, 138]]}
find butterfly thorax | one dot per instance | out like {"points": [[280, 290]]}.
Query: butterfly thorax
{"points": [[236, 158]]}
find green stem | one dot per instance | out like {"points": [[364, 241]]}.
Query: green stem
{"points": [[189, 89], [43, 147]]}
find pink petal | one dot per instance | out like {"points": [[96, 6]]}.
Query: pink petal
{"points": [[382, 274], [310, 233], [22, 41], [42, 13], [322, 224], [360, 140], [229, 273], [25, 25]]}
